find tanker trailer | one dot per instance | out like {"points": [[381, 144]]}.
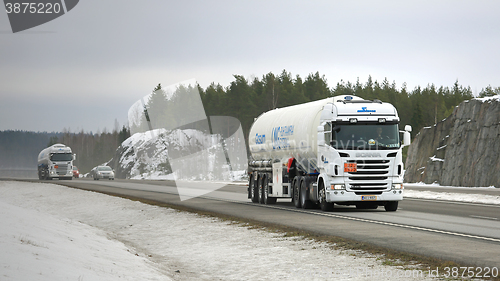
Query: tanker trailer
{"points": [[340, 150], [56, 161]]}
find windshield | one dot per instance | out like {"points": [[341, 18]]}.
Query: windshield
{"points": [[104, 168], [61, 157], [365, 136]]}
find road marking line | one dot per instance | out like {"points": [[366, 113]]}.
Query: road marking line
{"points": [[481, 217]]}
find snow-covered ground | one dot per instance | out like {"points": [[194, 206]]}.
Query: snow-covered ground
{"points": [[450, 196], [50, 232]]}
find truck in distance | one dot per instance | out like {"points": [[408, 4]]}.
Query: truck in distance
{"points": [[341, 150], [56, 161]]}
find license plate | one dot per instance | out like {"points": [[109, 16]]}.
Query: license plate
{"points": [[350, 167], [368, 198]]}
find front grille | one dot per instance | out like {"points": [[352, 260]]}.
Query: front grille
{"points": [[370, 175], [368, 178], [62, 169]]}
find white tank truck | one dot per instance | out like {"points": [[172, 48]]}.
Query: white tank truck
{"points": [[56, 161], [340, 150]]}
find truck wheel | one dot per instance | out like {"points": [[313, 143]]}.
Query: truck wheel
{"points": [[306, 203], [261, 189], [325, 206], [296, 191], [265, 192], [250, 184], [254, 191], [391, 206]]}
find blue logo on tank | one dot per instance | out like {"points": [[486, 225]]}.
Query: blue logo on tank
{"points": [[363, 109]]}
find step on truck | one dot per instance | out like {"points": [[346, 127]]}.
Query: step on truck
{"points": [[341, 150], [56, 161]]}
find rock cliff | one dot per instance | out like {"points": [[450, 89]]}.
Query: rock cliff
{"points": [[179, 154], [461, 150]]}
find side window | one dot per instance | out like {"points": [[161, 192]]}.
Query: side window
{"points": [[328, 133]]}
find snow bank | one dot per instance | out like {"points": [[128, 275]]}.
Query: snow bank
{"points": [[51, 232], [489, 99], [40, 246]]}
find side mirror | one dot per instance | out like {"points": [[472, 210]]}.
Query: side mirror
{"points": [[406, 138], [74, 157]]}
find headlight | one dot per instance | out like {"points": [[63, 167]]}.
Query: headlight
{"points": [[398, 186], [337, 186]]}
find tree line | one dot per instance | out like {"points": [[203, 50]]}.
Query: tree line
{"points": [[20, 149], [246, 99]]}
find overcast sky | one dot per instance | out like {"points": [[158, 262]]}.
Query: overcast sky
{"points": [[85, 69]]}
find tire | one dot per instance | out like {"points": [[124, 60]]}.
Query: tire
{"points": [[306, 203], [325, 206], [261, 190], [250, 186], [265, 192], [254, 189], [391, 206], [296, 192]]}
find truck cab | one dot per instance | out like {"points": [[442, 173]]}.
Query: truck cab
{"points": [[359, 154]]}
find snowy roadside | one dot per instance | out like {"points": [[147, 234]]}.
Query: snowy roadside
{"points": [[51, 232], [450, 196]]}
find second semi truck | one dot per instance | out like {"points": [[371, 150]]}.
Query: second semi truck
{"points": [[341, 150], [56, 161]]}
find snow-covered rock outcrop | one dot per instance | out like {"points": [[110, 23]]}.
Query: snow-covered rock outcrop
{"points": [[462, 150], [179, 154]]}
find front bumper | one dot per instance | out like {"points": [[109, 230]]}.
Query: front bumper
{"points": [[350, 196], [105, 176]]}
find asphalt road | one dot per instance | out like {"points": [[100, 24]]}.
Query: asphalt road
{"points": [[462, 232]]}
